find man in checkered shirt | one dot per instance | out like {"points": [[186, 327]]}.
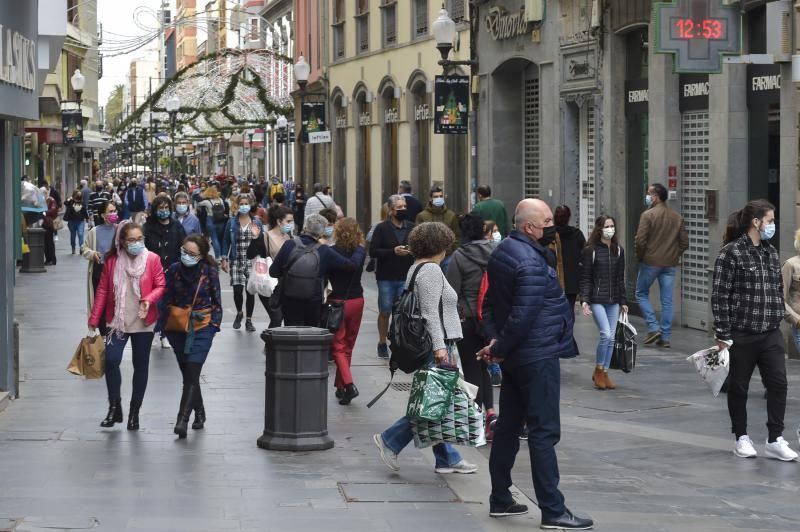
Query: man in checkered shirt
{"points": [[747, 303]]}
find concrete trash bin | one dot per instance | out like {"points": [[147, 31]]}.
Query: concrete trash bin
{"points": [[33, 262], [296, 403]]}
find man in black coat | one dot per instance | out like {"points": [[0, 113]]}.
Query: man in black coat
{"points": [[413, 206]]}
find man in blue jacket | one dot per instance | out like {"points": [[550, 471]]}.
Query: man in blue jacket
{"points": [[529, 322]]}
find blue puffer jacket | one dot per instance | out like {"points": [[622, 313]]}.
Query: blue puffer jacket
{"points": [[525, 309]]}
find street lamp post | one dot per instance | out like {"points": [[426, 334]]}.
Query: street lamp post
{"points": [[282, 123], [250, 162], [301, 72], [78, 82], [172, 104], [154, 143]]}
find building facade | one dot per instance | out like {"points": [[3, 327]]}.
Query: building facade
{"points": [[185, 33]]}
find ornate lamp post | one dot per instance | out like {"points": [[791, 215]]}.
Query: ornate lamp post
{"points": [[78, 82], [301, 72], [172, 104], [282, 123]]}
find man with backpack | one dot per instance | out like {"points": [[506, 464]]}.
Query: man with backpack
{"points": [[301, 266]]}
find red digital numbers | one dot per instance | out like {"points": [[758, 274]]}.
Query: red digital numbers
{"points": [[702, 29]]}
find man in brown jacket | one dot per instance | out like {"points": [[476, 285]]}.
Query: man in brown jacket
{"points": [[659, 243]]}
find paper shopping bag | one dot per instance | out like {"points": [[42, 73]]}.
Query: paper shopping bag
{"points": [[89, 358]]}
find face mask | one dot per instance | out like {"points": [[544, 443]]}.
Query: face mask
{"points": [[244, 209], [608, 232], [112, 218], [136, 249], [189, 261], [287, 229], [648, 200], [400, 215], [549, 236], [163, 215], [768, 231], [496, 236], [438, 202], [329, 232], [235, 192], [182, 209]]}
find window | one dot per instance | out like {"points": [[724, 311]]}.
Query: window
{"points": [[420, 13], [253, 29], [456, 10], [362, 26], [338, 11], [72, 12], [389, 9], [73, 63], [338, 29]]}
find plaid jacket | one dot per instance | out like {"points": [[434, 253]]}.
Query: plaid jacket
{"points": [[747, 293]]}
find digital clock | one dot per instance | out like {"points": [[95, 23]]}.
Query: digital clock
{"points": [[708, 29]]}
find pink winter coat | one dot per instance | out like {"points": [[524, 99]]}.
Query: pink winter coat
{"points": [[151, 284]]}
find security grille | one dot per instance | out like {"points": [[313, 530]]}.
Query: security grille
{"points": [[587, 168], [531, 166], [694, 181], [420, 18], [456, 10]]}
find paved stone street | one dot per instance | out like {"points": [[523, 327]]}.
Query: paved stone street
{"points": [[654, 455]]}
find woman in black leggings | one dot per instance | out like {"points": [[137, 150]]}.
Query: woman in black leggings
{"points": [[239, 231]]}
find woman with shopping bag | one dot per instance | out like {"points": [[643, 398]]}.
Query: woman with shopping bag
{"points": [[602, 288], [191, 314], [429, 242], [130, 287]]}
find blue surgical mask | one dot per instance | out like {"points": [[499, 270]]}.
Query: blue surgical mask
{"points": [[496, 236], [768, 231], [648, 200], [438, 202], [163, 215], [136, 248], [244, 209], [329, 232], [188, 260], [181, 208], [287, 229]]}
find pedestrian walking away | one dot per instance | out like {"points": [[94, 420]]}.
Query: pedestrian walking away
{"points": [[317, 202], [389, 247], [213, 213], [436, 211], [193, 284], [748, 307], [413, 206], [572, 244], [660, 241], [791, 291], [76, 217], [489, 208], [529, 327], [239, 231], [438, 303], [603, 292], [48, 223], [130, 287]]}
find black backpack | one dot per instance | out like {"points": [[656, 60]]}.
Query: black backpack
{"points": [[410, 342], [302, 280], [218, 213]]}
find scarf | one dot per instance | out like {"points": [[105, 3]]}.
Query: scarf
{"points": [[125, 268]]}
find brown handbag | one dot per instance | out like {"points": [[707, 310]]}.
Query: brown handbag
{"points": [[179, 319]]}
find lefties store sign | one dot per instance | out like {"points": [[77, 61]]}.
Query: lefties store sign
{"points": [[17, 59]]}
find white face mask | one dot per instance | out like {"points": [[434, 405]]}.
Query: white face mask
{"points": [[496, 236], [608, 232]]}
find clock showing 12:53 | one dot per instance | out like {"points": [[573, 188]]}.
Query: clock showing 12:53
{"points": [[708, 29]]}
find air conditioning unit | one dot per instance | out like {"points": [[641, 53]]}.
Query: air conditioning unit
{"points": [[534, 10], [779, 30]]}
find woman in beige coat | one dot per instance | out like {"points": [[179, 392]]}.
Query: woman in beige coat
{"points": [[99, 240], [791, 290]]}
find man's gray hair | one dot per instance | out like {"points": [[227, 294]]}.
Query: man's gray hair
{"points": [[393, 200], [315, 226], [318, 187], [182, 195], [405, 186]]}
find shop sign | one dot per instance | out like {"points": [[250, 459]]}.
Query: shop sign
{"points": [[341, 121], [18, 59], [222, 159], [313, 121], [694, 92], [451, 114], [391, 115], [637, 97], [364, 118], [503, 25], [763, 85], [319, 137], [578, 68], [422, 112], [72, 126]]}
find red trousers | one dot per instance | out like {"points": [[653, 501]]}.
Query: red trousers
{"points": [[345, 339]]}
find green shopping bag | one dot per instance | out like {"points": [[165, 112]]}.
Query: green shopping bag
{"points": [[431, 393]]}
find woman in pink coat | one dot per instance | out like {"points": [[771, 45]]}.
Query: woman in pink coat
{"points": [[130, 287]]}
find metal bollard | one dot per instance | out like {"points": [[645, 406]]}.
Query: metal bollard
{"points": [[33, 262], [296, 402]]}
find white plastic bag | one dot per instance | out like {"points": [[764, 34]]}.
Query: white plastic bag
{"points": [[712, 365], [259, 282]]}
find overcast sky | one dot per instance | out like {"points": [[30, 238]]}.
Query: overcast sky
{"points": [[117, 16]]}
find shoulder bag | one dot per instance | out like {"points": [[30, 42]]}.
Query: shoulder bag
{"points": [[333, 312], [185, 319]]}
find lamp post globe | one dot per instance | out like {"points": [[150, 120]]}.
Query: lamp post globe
{"points": [[281, 122], [78, 82], [301, 72], [444, 31]]}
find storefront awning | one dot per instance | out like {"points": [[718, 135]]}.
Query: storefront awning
{"points": [[93, 140]]}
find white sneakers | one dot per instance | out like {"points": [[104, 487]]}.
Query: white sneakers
{"points": [[165, 343], [463, 467], [779, 450], [387, 455]]}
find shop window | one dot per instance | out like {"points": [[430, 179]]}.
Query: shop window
{"points": [[420, 13], [456, 9], [389, 10], [362, 26]]}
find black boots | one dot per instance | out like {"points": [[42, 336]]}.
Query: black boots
{"points": [[350, 393], [114, 413], [133, 415], [187, 405], [199, 417]]}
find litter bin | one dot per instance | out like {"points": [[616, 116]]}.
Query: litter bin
{"points": [[33, 262], [296, 411]]}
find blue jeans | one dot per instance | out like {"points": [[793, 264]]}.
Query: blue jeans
{"points": [[445, 263], [666, 279], [605, 316], [399, 435], [388, 293], [140, 343], [529, 394], [76, 229], [216, 233], [796, 336]]}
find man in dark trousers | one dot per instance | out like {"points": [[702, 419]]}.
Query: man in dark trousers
{"points": [[135, 199], [389, 247], [529, 324]]}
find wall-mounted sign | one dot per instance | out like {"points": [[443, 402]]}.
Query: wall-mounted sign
{"points": [[451, 113], [341, 121], [313, 120], [422, 112], [501, 24], [698, 33], [391, 115], [694, 90], [222, 159], [763, 85], [319, 137], [72, 126], [578, 68], [637, 97], [18, 59], [364, 118]]}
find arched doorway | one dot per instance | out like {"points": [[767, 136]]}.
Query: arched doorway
{"points": [[420, 118], [339, 113], [362, 121], [390, 116]]}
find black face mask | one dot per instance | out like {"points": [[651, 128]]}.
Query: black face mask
{"points": [[549, 236], [400, 215]]}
